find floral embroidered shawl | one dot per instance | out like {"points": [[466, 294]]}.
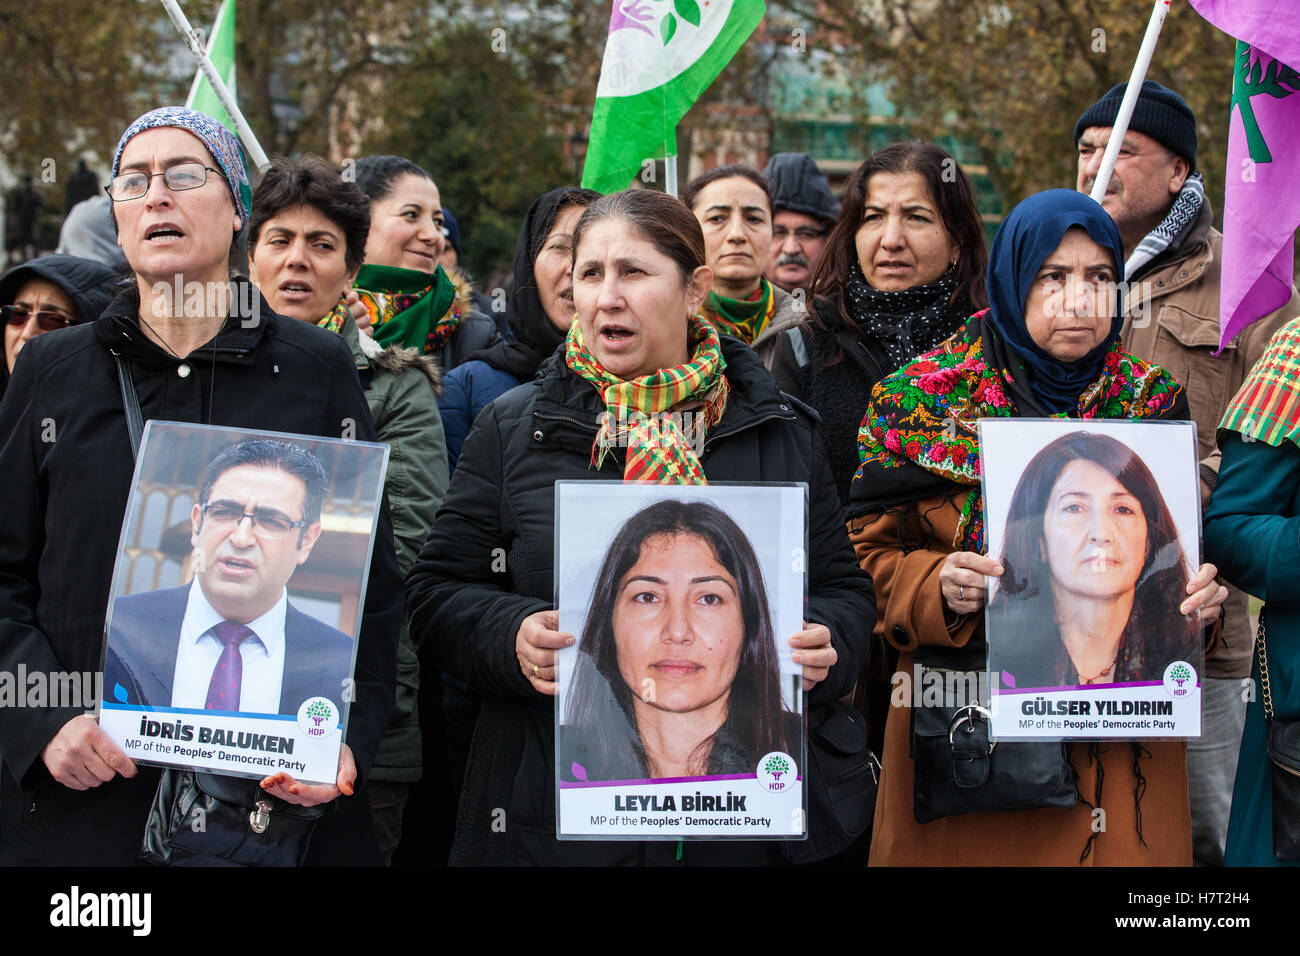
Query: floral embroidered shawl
{"points": [[924, 417]]}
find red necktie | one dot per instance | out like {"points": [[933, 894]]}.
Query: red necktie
{"points": [[223, 689]]}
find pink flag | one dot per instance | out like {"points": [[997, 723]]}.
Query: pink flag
{"points": [[1261, 203]]}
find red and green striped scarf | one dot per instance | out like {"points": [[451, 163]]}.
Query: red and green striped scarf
{"points": [[334, 319], [658, 448], [743, 318], [1267, 407]]}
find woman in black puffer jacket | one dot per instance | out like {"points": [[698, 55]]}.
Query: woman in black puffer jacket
{"points": [[484, 583]]}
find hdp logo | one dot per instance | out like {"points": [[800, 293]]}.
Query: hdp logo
{"points": [[776, 772], [1180, 679], [317, 717]]}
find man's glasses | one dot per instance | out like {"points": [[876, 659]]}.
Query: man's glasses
{"points": [[266, 524], [803, 233], [47, 321], [178, 178]]}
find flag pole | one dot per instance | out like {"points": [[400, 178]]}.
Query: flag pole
{"points": [[670, 174], [255, 151], [212, 39], [1145, 52]]}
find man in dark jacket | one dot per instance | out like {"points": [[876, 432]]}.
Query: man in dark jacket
{"points": [[68, 462], [804, 209], [489, 564]]}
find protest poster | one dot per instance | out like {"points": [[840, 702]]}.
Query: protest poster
{"points": [[679, 712], [236, 599], [1097, 527]]}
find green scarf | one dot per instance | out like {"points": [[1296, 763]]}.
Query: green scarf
{"points": [[408, 308], [744, 318]]}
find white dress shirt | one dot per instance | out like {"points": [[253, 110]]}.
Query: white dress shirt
{"points": [[199, 650]]}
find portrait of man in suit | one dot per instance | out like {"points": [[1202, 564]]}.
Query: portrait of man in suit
{"points": [[230, 640]]}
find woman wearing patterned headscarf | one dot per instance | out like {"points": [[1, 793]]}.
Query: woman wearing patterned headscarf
{"points": [[1047, 346], [185, 341]]}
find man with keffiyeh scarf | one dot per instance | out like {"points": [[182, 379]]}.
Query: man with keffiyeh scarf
{"points": [[1158, 201]]}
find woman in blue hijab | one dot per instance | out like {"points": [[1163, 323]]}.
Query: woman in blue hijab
{"points": [[1047, 346]]}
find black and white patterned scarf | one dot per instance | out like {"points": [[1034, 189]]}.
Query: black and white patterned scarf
{"points": [[909, 322], [1173, 229]]}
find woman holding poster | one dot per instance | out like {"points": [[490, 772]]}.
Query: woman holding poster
{"points": [[1252, 528], [184, 341], [483, 586], [677, 674], [1047, 346], [1091, 552]]}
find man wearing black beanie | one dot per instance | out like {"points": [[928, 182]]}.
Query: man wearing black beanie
{"points": [[1158, 201]]}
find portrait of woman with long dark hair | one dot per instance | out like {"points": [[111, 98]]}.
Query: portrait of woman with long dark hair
{"points": [[1094, 572], [677, 671]]}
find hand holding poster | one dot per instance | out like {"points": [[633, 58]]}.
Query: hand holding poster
{"points": [[231, 635], [1098, 543], [679, 710]]}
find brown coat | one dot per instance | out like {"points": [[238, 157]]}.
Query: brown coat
{"points": [[911, 612], [1172, 320]]}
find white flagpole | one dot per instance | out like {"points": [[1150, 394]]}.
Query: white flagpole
{"points": [[255, 151], [212, 39], [670, 175], [1118, 131]]}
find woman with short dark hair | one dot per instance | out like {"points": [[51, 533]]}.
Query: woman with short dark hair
{"points": [[307, 239], [483, 587]]}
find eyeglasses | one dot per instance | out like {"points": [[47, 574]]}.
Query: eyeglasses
{"points": [[178, 178], [47, 321], [803, 233], [266, 524]]}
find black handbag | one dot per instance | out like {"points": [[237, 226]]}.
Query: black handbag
{"points": [[1283, 744], [958, 769], [204, 819], [843, 775]]}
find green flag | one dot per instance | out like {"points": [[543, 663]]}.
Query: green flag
{"points": [[221, 51], [659, 57]]}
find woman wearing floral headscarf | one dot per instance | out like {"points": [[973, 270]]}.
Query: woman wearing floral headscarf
{"points": [[1047, 346], [195, 345]]}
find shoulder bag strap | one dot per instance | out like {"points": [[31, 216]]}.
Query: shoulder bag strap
{"points": [[130, 403]]}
